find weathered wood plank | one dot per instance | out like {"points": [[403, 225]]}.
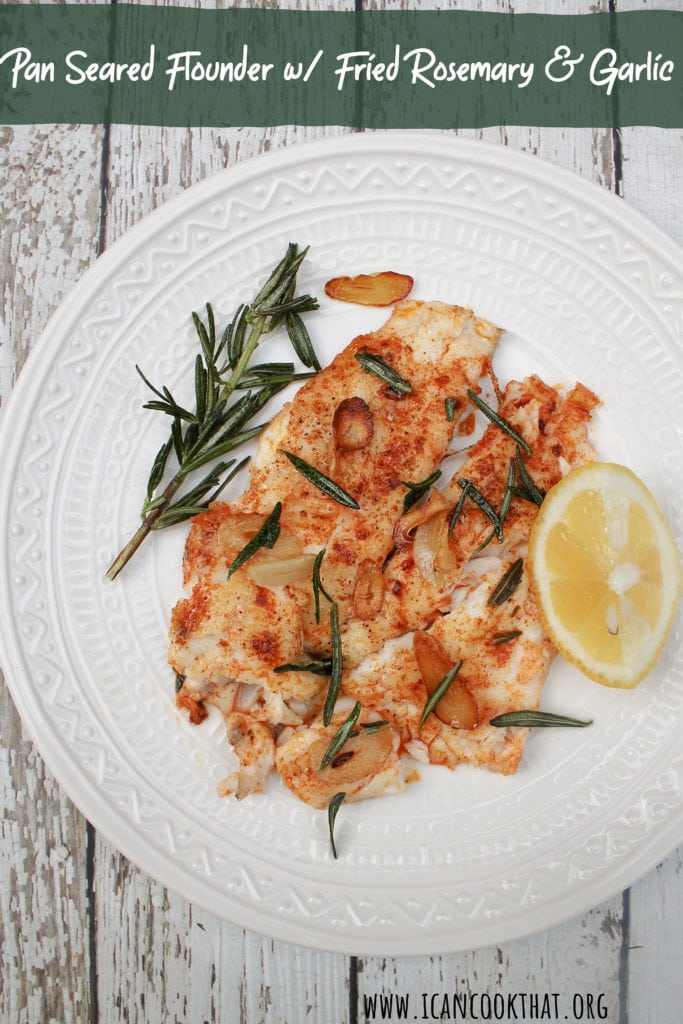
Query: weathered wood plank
{"points": [[580, 957], [49, 207], [158, 957], [151, 945], [654, 991]]}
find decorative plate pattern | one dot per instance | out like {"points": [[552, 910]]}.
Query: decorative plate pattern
{"points": [[587, 289]]}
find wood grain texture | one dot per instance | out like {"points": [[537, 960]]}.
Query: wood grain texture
{"points": [[86, 936], [49, 209]]}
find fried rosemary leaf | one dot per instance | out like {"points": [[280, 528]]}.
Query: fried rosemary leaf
{"points": [[341, 736], [439, 692], [451, 405], [507, 585], [332, 810], [374, 364], [535, 493], [302, 304], [301, 340], [263, 538], [318, 587], [336, 671], [498, 420], [505, 637], [319, 480], [479, 499], [416, 491], [504, 505], [217, 425], [537, 719], [322, 667], [455, 514], [369, 727]]}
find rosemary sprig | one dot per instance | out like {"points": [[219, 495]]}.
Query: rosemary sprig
{"points": [[322, 482], [332, 810], [341, 736], [416, 491], [507, 585], [498, 420], [217, 424], [374, 364], [263, 538], [321, 667], [439, 692], [537, 719], [451, 405], [336, 669]]}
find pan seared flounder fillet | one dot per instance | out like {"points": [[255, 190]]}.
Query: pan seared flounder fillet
{"points": [[554, 425], [236, 630], [501, 677], [441, 351]]}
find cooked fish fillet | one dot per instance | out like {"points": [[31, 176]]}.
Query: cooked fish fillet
{"points": [[442, 351], [501, 677], [232, 632], [368, 766], [235, 630], [554, 425]]}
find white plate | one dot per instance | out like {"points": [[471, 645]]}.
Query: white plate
{"points": [[588, 290]]}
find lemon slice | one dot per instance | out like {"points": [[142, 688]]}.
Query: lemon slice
{"points": [[606, 573]]}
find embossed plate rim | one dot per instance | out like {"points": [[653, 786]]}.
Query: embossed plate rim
{"points": [[115, 824]]}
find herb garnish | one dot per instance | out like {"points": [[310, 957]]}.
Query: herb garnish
{"points": [[439, 692], [479, 499], [504, 505], [336, 667], [341, 736], [270, 373], [504, 638], [322, 482], [416, 491], [451, 405], [537, 719], [301, 340], [455, 514], [318, 587], [535, 493], [498, 420], [334, 805], [369, 727], [264, 538], [217, 425], [373, 363], [508, 584], [321, 667]]}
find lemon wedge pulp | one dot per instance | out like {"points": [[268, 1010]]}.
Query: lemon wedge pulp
{"points": [[606, 573]]}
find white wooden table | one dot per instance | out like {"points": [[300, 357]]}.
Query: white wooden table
{"points": [[86, 936]]}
